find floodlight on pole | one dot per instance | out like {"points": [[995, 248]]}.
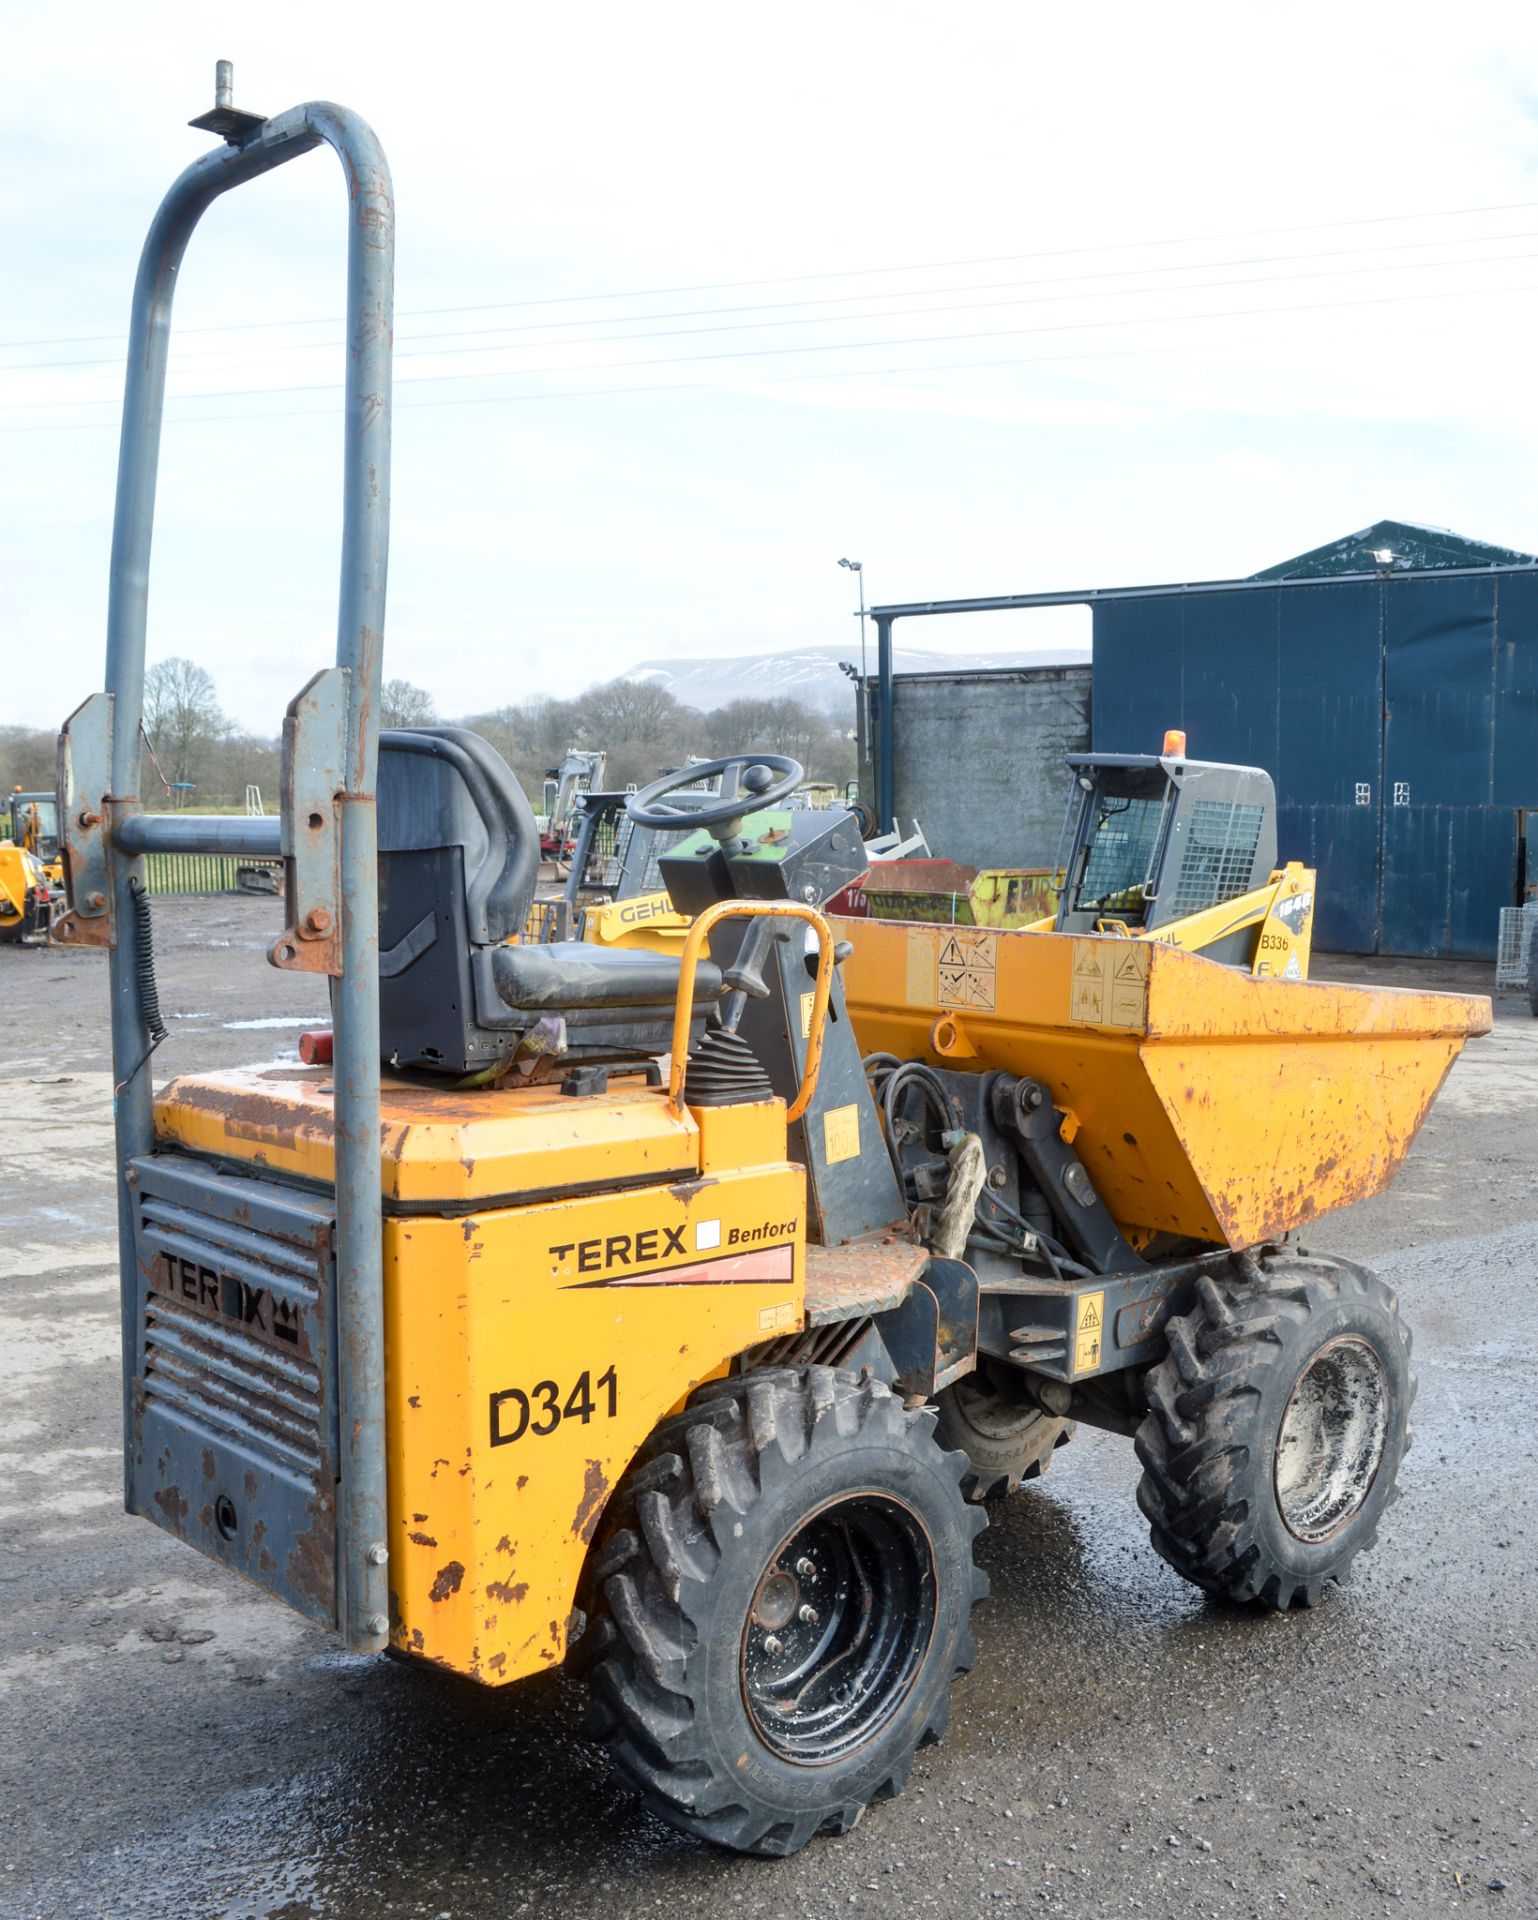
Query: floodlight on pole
{"points": [[857, 567]]}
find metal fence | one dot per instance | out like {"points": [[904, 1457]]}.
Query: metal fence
{"points": [[1514, 945], [193, 872]]}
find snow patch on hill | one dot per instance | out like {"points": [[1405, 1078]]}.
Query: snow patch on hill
{"points": [[812, 674]]}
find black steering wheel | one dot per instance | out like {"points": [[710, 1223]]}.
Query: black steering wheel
{"points": [[755, 788]]}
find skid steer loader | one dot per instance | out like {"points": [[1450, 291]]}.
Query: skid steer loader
{"points": [[596, 1304]]}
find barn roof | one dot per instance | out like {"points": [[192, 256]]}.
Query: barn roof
{"points": [[1412, 546]]}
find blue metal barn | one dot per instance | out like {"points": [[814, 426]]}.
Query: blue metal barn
{"points": [[1388, 683]]}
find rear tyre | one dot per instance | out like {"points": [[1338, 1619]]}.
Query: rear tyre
{"points": [[782, 1610], [1277, 1421], [1005, 1437]]}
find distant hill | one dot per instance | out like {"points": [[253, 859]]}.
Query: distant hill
{"points": [[811, 674]]}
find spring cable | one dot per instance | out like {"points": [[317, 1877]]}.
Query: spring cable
{"points": [[145, 985]]}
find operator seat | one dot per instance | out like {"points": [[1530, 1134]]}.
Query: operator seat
{"points": [[458, 866]]}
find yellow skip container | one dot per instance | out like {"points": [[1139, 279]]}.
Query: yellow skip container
{"points": [[1205, 1103]]}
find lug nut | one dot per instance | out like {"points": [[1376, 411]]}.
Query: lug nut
{"points": [[808, 1615], [377, 1554], [773, 1643], [317, 920], [377, 1623], [806, 1568], [96, 901]]}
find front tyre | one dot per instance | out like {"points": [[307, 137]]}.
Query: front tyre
{"points": [[783, 1607], [1277, 1421]]}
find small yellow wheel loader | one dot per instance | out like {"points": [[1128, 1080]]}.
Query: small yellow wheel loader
{"points": [[596, 1304], [30, 873]]}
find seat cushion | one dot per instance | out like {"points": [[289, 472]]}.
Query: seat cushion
{"points": [[570, 974]]}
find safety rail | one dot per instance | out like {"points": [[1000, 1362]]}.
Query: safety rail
{"points": [[326, 834], [683, 1007]]}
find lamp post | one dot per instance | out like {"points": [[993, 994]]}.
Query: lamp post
{"points": [[857, 568]]}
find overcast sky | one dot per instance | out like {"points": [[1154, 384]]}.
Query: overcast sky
{"points": [[694, 299]]}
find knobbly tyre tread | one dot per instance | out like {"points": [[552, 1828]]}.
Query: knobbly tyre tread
{"points": [[681, 1510], [1203, 1488]]}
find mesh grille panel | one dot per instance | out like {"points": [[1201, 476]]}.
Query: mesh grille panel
{"points": [[1517, 926], [1219, 855]]}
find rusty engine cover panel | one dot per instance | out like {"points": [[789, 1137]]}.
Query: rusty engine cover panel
{"points": [[233, 1428]]}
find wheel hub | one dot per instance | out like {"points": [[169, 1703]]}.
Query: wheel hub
{"points": [[839, 1627], [1332, 1439]]}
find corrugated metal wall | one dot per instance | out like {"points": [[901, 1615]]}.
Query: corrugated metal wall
{"points": [[1399, 719]]}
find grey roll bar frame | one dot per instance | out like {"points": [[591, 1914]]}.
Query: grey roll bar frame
{"points": [[101, 875]]}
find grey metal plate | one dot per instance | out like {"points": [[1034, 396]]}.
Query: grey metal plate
{"points": [[233, 1429]]}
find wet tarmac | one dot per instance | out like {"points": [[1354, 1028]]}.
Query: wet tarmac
{"points": [[174, 1744]]}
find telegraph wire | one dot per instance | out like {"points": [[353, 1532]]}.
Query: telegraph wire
{"points": [[846, 273], [913, 293], [751, 383], [821, 346]]}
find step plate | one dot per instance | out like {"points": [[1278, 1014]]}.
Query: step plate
{"points": [[233, 1440]]}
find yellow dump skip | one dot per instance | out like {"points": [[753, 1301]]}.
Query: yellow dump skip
{"points": [[1207, 1103]]}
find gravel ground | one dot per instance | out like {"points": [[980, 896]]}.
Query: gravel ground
{"points": [[174, 1744]]}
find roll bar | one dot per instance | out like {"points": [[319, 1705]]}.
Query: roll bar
{"points": [[327, 829]]}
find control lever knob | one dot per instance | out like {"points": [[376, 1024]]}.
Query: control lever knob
{"points": [[746, 973]]}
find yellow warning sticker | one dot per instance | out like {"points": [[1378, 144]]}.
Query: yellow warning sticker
{"points": [[966, 969], [806, 1015], [841, 1134], [1087, 997], [1088, 1331], [1109, 983], [922, 948]]}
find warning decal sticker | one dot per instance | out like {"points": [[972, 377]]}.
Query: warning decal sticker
{"points": [[965, 969], [1109, 983], [1088, 1331], [841, 1134]]}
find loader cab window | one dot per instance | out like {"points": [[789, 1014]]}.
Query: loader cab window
{"points": [[1121, 820]]}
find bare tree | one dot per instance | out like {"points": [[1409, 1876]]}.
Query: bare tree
{"points": [[403, 705], [182, 718], [26, 760]]}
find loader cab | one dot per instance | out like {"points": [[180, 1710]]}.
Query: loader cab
{"points": [[615, 859], [34, 824], [1151, 839]]}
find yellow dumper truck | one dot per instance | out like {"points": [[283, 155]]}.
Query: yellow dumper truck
{"points": [[592, 1304]]}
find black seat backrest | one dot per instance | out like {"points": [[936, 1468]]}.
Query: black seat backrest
{"points": [[458, 865], [443, 787]]}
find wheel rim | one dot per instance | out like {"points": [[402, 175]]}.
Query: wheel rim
{"points": [[1332, 1439], [839, 1628]]}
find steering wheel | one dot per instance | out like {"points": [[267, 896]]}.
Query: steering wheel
{"points": [[756, 786]]}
